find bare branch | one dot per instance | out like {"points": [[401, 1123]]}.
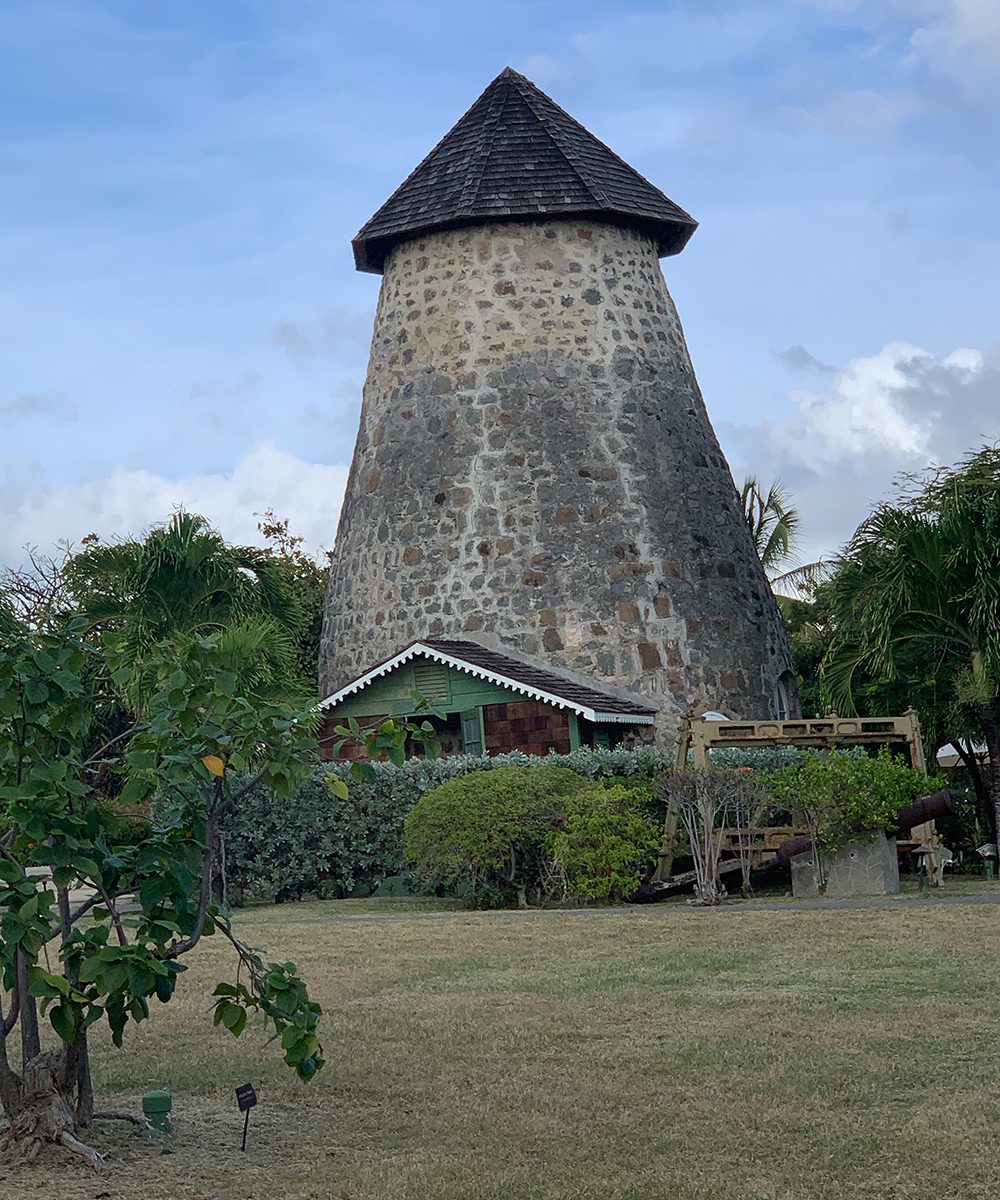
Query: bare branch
{"points": [[117, 1116], [8, 1022], [109, 904], [98, 755], [176, 949]]}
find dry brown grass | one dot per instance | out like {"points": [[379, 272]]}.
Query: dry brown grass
{"points": [[681, 1054]]}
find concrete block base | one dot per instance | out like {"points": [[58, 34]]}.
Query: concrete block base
{"points": [[866, 867]]}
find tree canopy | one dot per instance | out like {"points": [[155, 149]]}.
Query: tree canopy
{"points": [[915, 599]]}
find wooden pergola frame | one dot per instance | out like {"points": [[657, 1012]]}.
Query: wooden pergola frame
{"points": [[698, 737]]}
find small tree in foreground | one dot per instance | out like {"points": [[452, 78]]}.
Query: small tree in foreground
{"points": [[200, 746], [712, 804]]}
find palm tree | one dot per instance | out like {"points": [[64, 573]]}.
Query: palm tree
{"points": [[772, 520], [924, 575], [183, 581], [774, 527]]}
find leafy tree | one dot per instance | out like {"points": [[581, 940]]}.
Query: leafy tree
{"points": [[916, 597], [846, 796], [200, 746], [305, 580], [927, 686]]}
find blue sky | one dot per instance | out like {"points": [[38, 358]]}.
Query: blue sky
{"points": [[181, 323]]}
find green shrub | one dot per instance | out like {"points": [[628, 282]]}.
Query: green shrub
{"points": [[315, 844], [604, 846], [847, 795], [489, 827]]}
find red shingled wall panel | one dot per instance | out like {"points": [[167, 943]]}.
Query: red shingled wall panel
{"points": [[527, 725]]}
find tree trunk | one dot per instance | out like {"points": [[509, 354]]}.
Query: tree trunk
{"points": [[45, 1111], [991, 735], [10, 1083], [84, 1084], [53, 1098], [30, 1043], [980, 786], [78, 1078]]}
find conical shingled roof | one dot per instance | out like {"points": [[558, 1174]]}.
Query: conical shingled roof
{"points": [[516, 154]]}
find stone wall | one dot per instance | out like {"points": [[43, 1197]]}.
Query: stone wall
{"points": [[528, 725], [535, 469]]}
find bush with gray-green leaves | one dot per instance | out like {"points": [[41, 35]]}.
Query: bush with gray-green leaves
{"points": [[315, 844]]}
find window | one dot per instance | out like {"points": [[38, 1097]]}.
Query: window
{"points": [[781, 697]]}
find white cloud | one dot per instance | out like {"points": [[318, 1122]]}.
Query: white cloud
{"points": [[338, 329], [542, 68], [866, 407], [128, 502], [839, 448], [31, 404], [955, 31]]}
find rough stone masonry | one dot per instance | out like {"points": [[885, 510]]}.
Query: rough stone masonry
{"points": [[535, 469]]}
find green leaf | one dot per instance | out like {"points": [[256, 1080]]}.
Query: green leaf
{"points": [[234, 1017], [307, 1069], [338, 787], [43, 983], [64, 1020], [136, 790]]}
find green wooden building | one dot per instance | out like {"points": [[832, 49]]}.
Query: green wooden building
{"points": [[489, 702]]}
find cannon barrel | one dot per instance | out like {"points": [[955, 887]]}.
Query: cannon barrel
{"points": [[788, 849], [938, 804]]}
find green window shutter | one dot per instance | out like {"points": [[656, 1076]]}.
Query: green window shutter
{"points": [[430, 679], [472, 731], [601, 739]]}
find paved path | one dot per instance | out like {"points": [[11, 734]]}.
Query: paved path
{"points": [[642, 910]]}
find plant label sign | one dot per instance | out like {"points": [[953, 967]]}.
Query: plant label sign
{"points": [[246, 1097]]}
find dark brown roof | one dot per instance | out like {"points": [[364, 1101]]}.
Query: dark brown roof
{"points": [[541, 680], [517, 154]]}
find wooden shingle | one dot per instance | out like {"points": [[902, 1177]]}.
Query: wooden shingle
{"points": [[516, 155]]}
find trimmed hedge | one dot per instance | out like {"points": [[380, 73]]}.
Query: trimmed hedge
{"points": [[315, 844], [487, 830]]}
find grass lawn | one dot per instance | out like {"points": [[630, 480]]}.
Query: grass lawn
{"points": [[662, 1054]]}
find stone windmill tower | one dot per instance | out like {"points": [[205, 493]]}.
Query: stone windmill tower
{"points": [[535, 469]]}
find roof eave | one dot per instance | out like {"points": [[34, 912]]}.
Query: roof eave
{"points": [[670, 236], [596, 716]]}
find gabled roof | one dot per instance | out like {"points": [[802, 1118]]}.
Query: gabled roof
{"points": [[591, 703], [517, 154]]}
